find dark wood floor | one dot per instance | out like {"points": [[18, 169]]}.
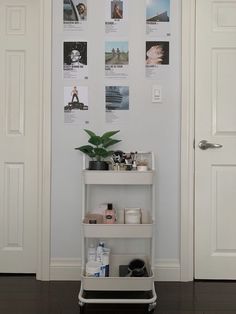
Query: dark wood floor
{"points": [[25, 295]]}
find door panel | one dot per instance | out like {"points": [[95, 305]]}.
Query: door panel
{"points": [[19, 137], [223, 217], [15, 81], [13, 210], [224, 91], [215, 121], [224, 16]]}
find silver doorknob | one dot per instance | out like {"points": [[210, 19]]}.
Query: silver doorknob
{"points": [[205, 145]]}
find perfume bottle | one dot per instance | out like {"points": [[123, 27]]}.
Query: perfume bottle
{"points": [[110, 214]]}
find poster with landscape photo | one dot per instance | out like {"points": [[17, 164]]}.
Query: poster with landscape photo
{"points": [[116, 59]]}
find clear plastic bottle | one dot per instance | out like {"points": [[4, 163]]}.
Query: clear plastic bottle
{"points": [[110, 214], [91, 254]]}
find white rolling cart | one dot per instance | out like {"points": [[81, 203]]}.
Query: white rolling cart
{"points": [[117, 289]]}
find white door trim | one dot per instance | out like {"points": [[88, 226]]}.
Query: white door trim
{"points": [[187, 140], [43, 260]]}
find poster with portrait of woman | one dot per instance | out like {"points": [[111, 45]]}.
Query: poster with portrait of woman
{"points": [[116, 17], [158, 17], [75, 60], [75, 14]]}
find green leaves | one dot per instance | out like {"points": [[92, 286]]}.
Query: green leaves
{"points": [[109, 134], [87, 149], [110, 142], [90, 133], [98, 151], [95, 140]]}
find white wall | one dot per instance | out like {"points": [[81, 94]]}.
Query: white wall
{"points": [[147, 126]]}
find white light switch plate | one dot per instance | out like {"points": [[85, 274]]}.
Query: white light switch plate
{"points": [[156, 94]]}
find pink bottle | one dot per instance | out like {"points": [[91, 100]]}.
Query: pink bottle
{"points": [[110, 215]]}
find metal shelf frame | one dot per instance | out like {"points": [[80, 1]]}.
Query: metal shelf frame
{"points": [[145, 231]]}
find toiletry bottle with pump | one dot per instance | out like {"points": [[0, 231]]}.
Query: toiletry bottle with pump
{"points": [[110, 214], [99, 258], [99, 251]]}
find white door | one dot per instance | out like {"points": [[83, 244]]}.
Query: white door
{"points": [[19, 132], [215, 167]]}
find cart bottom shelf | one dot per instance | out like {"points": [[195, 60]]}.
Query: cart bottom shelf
{"points": [[141, 299], [117, 294], [111, 296]]}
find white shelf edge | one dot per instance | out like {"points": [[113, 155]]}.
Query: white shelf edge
{"points": [[118, 177], [117, 230]]}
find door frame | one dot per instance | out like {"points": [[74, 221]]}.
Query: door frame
{"points": [[187, 140], [44, 149]]}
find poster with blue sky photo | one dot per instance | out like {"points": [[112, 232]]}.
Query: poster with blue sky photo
{"points": [[158, 16], [158, 10]]}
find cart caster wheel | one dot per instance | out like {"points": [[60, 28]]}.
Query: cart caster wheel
{"points": [[151, 307], [81, 307]]}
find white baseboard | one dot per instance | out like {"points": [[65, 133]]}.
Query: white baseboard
{"points": [[65, 269], [70, 269], [167, 270]]}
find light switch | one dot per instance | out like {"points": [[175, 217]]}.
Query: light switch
{"points": [[156, 94]]}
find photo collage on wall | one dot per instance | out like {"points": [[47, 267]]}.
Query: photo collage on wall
{"points": [[75, 65], [116, 55], [158, 34], [116, 59]]}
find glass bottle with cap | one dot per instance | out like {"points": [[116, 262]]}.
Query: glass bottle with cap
{"points": [[110, 214]]}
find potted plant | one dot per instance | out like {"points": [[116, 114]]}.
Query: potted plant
{"points": [[97, 149]]}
